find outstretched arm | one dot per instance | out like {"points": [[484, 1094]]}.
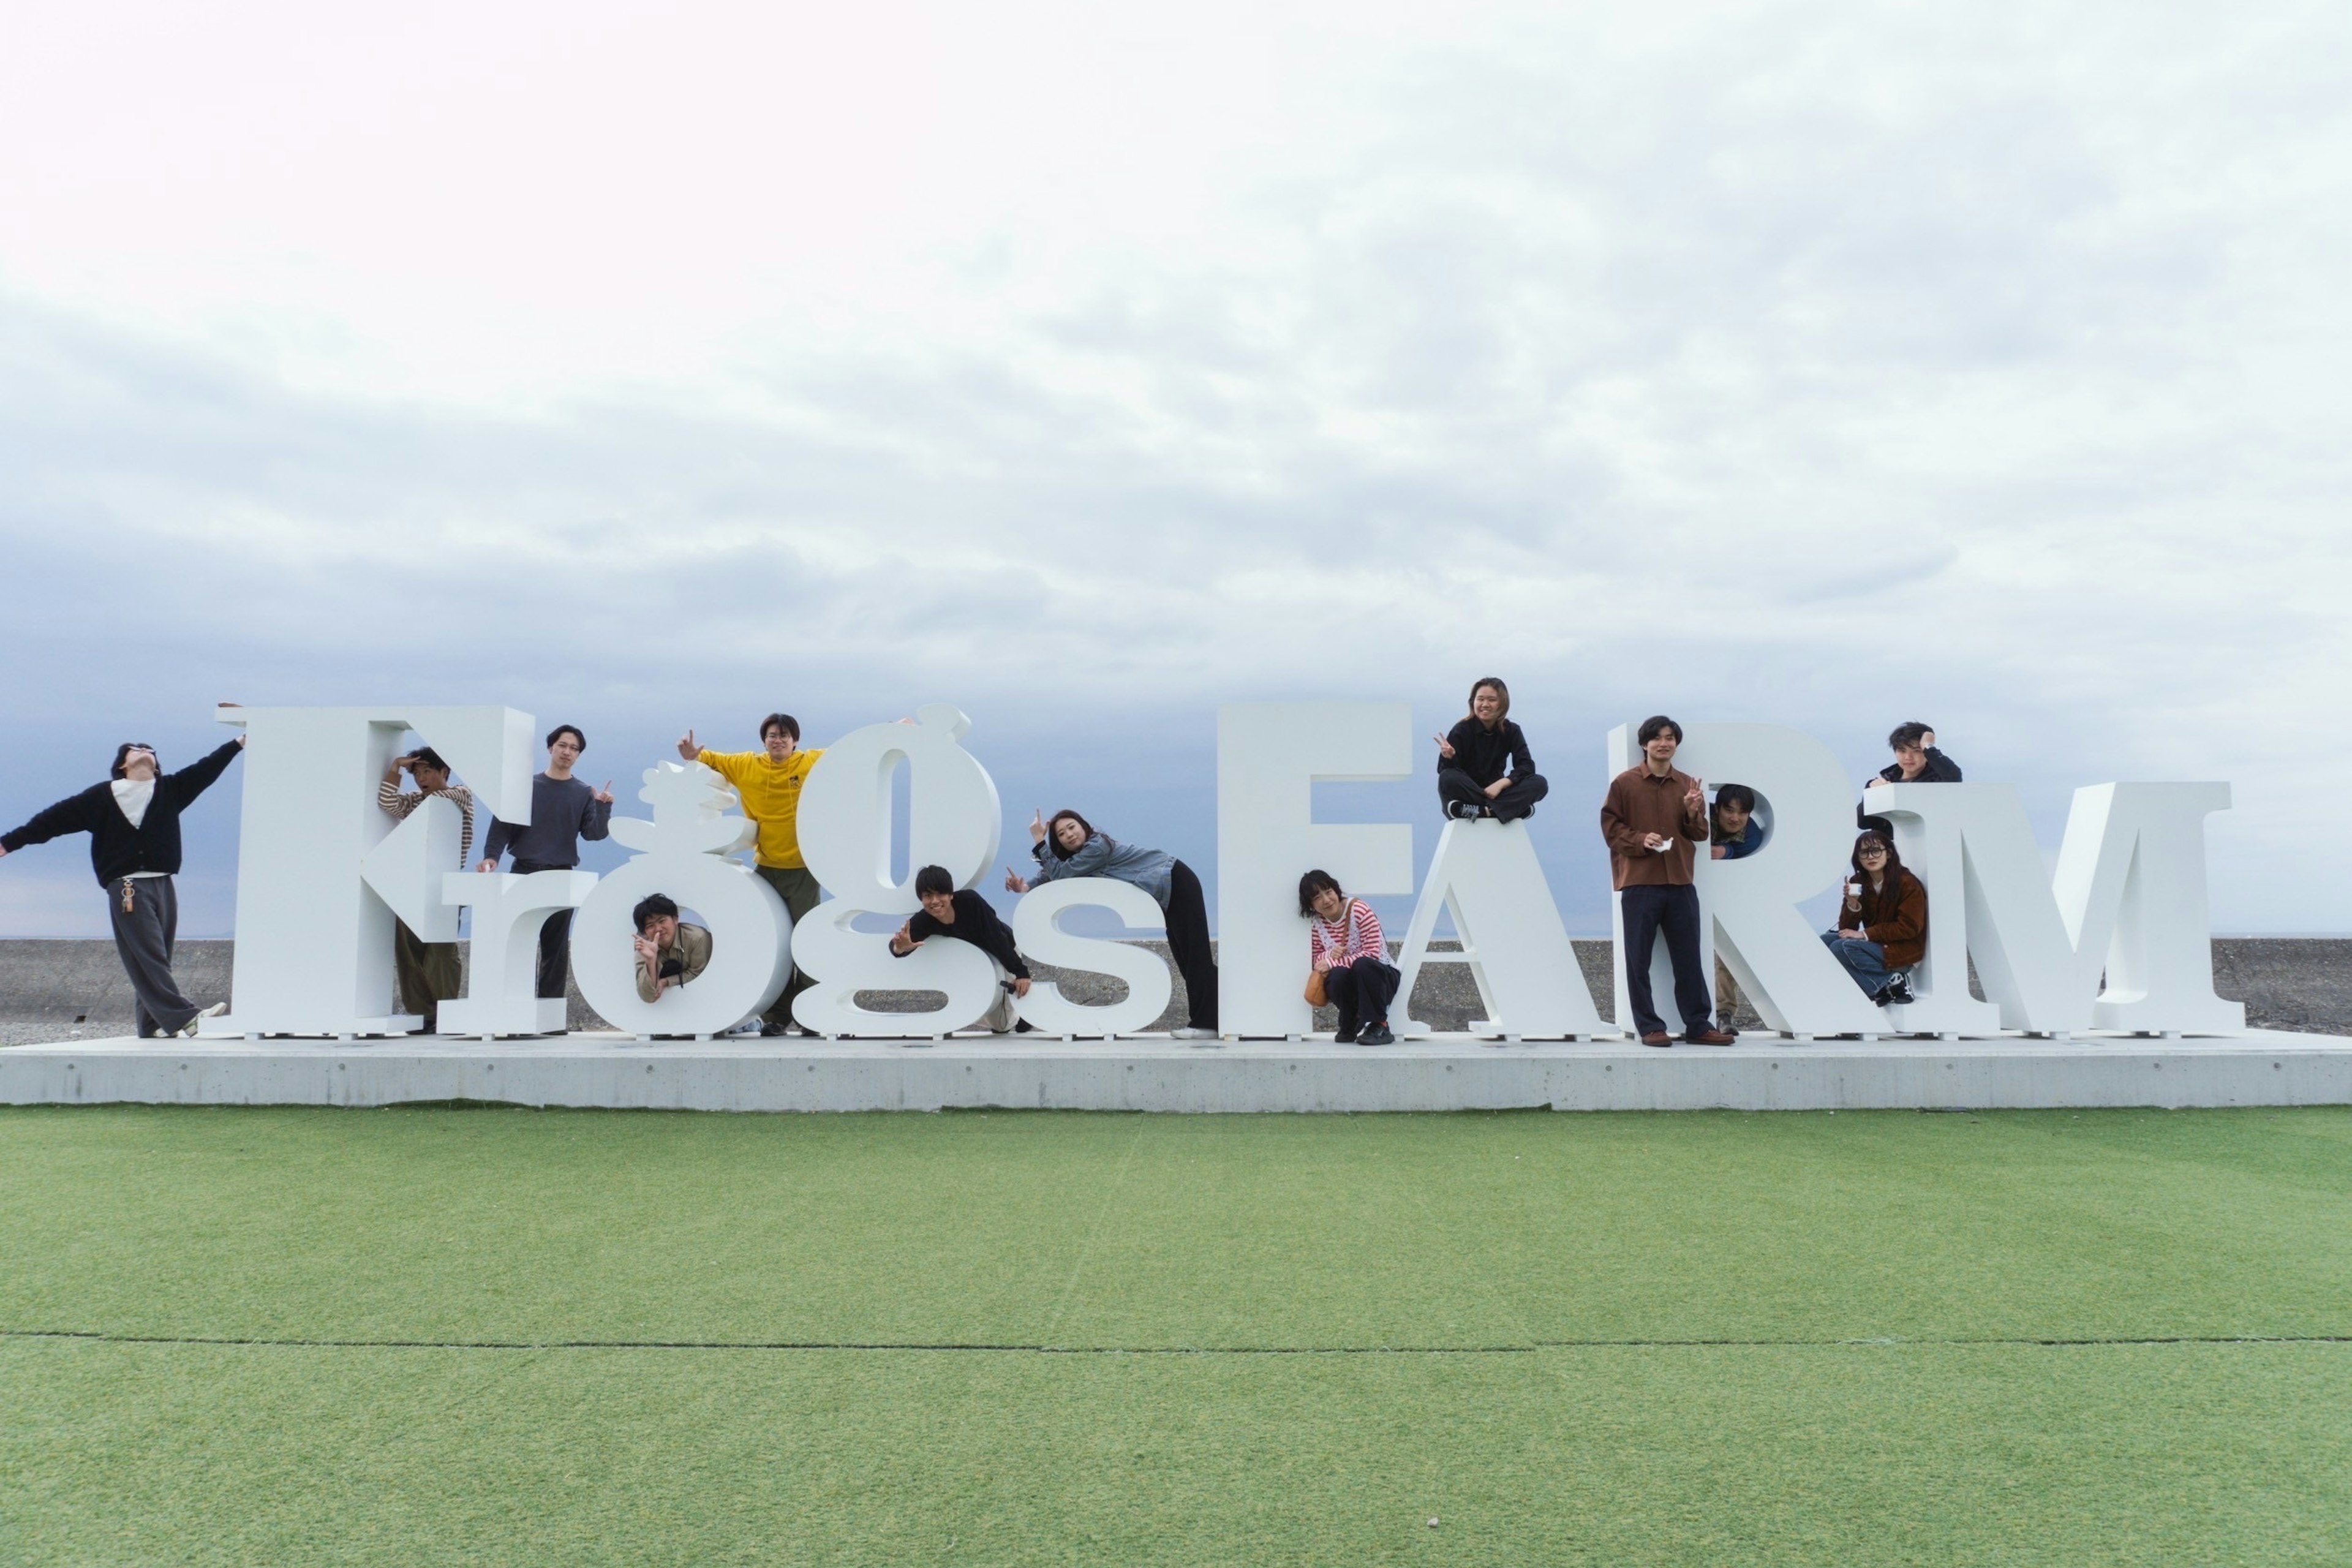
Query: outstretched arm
{"points": [[198, 777], [71, 815]]}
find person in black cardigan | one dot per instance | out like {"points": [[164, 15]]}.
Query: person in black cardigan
{"points": [[1473, 755], [133, 822]]}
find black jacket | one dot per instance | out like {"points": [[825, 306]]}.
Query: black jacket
{"points": [[1940, 769], [116, 848], [1482, 752], [976, 923]]}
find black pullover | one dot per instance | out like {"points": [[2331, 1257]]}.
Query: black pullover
{"points": [[1482, 752], [976, 923], [116, 849]]}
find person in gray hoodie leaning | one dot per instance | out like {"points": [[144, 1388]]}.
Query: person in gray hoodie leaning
{"points": [[1067, 844]]}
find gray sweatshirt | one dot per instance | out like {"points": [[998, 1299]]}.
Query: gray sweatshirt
{"points": [[562, 813], [1103, 855]]}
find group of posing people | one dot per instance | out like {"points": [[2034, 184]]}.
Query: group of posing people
{"points": [[1653, 818]]}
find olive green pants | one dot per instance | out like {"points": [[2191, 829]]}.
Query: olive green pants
{"points": [[427, 974]]}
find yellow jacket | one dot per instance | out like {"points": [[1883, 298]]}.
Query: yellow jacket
{"points": [[772, 798]]}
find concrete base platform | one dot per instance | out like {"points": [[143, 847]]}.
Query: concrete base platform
{"points": [[1447, 1072]]}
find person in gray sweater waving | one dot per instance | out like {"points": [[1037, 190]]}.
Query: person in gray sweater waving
{"points": [[1069, 846]]}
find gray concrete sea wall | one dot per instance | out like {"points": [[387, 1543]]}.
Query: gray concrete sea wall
{"points": [[60, 990]]}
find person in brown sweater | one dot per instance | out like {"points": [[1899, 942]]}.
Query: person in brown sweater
{"points": [[1654, 818], [1882, 927]]}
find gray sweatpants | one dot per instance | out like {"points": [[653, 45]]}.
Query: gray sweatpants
{"points": [[143, 935]]}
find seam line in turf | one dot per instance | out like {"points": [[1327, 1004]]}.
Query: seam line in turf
{"points": [[93, 1336]]}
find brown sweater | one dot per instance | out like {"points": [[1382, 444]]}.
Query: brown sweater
{"points": [[1639, 802], [1895, 918]]}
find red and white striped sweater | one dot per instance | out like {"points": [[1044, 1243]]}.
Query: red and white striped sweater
{"points": [[1355, 935]]}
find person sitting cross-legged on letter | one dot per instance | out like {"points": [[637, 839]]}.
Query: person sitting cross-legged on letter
{"points": [[1471, 758], [1343, 937], [670, 953], [966, 915], [1652, 819], [1882, 927]]}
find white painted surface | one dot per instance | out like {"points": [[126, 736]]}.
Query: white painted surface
{"points": [[1446, 1073], [1269, 757], [1040, 939], [1485, 875], [501, 985], [679, 855]]}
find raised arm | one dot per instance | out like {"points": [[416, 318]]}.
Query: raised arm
{"points": [[198, 777], [1086, 860]]}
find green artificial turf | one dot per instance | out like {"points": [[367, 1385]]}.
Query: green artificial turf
{"points": [[423, 1336]]}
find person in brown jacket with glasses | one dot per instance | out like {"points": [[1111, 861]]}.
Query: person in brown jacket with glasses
{"points": [[1882, 927], [1654, 819]]}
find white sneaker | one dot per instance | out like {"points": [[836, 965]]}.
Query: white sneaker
{"points": [[188, 1030], [1192, 1034]]}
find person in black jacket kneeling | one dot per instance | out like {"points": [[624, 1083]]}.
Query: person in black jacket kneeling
{"points": [[1472, 756], [133, 822]]}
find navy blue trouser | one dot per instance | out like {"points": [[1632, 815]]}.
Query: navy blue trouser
{"points": [[1674, 910]]}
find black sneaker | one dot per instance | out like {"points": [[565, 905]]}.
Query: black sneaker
{"points": [[769, 1031], [1897, 992], [1378, 1035], [1461, 811], [1344, 1037]]}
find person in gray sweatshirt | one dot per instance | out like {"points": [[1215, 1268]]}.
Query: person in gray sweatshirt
{"points": [[564, 811], [1069, 846]]}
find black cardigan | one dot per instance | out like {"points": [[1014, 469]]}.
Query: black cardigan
{"points": [[116, 848]]}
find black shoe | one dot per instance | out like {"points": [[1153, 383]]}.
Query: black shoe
{"points": [[1461, 811], [769, 1031], [1344, 1037], [1897, 992], [1378, 1035], [1024, 1027]]}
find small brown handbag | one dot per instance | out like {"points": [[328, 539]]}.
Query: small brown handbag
{"points": [[1315, 993]]}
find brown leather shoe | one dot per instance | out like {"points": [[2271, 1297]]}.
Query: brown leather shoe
{"points": [[1711, 1037], [1658, 1039]]}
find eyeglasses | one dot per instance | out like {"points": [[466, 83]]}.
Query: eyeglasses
{"points": [[1874, 853]]}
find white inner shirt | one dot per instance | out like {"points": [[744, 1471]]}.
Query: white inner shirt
{"points": [[134, 795]]}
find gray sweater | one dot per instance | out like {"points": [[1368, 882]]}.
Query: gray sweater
{"points": [[1103, 855], [562, 813]]}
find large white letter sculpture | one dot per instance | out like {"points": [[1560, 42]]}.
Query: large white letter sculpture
{"points": [[679, 854], [1039, 936], [1487, 876], [316, 890], [2129, 898], [1749, 905], [1269, 756], [954, 820]]}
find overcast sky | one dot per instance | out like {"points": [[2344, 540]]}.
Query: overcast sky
{"points": [[641, 365]]}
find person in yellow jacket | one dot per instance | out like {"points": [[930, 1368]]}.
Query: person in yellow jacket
{"points": [[769, 782]]}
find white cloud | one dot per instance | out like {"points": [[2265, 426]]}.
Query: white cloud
{"points": [[1828, 365]]}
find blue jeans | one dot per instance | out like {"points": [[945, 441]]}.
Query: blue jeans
{"points": [[1865, 961]]}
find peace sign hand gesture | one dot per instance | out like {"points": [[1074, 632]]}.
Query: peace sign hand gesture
{"points": [[603, 796], [1696, 801], [1445, 747]]}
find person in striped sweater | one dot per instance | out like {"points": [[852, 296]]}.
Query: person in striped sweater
{"points": [[426, 974], [1344, 940]]}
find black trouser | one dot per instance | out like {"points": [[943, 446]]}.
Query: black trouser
{"points": [[1361, 991], [554, 940], [1675, 910], [143, 935], [1188, 944], [1517, 799]]}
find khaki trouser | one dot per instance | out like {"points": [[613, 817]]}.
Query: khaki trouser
{"points": [[796, 885], [1727, 996], [427, 972]]}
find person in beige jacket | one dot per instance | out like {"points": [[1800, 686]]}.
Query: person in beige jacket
{"points": [[670, 952]]}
